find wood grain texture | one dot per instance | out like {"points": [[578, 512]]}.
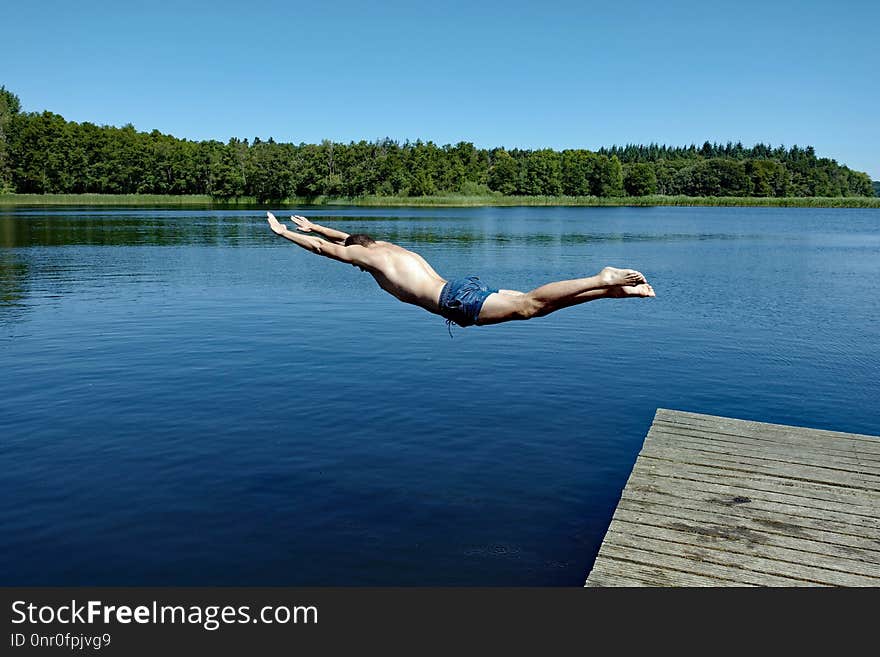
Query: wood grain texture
{"points": [[715, 501]]}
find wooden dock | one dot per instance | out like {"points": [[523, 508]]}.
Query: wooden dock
{"points": [[714, 501]]}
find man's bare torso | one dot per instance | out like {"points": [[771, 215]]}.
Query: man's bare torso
{"points": [[404, 274]]}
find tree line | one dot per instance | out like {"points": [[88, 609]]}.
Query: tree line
{"points": [[41, 152]]}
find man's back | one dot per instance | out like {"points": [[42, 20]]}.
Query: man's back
{"points": [[404, 274]]}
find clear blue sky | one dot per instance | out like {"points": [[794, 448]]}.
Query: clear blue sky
{"points": [[529, 74]]}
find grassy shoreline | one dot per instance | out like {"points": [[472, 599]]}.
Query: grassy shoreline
{"points": [[449, 200]]}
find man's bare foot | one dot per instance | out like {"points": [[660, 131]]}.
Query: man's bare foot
{"points": [[626, 291], [612, 276]]}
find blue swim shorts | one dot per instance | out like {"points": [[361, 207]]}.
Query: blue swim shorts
{"points": [[461, 300]]}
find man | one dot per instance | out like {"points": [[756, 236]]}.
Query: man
{"points": [[465, 301]]}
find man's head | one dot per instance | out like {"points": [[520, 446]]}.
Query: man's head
{"points": [[360, 238]]}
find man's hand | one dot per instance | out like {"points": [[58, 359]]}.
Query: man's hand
{"points": [[277, 227], [302, 223]]}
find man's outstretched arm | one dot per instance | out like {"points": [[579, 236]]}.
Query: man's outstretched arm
{"points": [[317, 245], [307, 226]]}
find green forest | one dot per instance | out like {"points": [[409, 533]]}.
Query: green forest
{"points": [[42, 153]]}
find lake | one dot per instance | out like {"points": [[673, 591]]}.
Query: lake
{"points": [[189, 400]]}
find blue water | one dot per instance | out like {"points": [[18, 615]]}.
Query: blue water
{"points": [[188, 400]]}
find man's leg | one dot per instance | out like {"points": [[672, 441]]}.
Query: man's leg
{"points": [[509, 305]]}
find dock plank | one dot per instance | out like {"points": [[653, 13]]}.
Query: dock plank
{"points": [[797, 533], [633, 574], [809, 493], [715, 501], [667, 558], [743, 546], [721, 497], [817, 457], [766, 431], [779, 469]]}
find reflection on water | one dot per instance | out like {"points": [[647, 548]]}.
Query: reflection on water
{"points": [[231, 228], [13, 279], [189, 400], [122, 230]]}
